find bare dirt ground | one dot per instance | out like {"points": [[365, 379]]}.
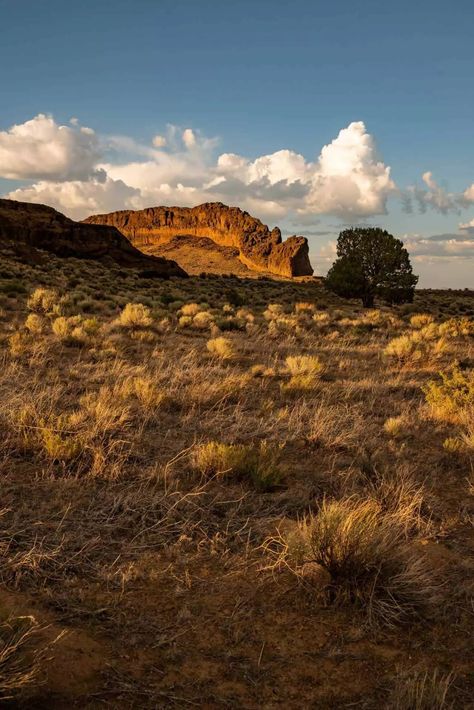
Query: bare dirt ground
{"points": [[169, 471]]}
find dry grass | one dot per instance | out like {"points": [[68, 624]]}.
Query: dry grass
{"points": [[135, 315], [21, 658], [305, 371], [421, 690], [364, 548], [258, 464], [142, 473], [221, 348]]}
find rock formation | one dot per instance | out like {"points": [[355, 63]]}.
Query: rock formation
{"points": [[259, 248], [27, 227]]}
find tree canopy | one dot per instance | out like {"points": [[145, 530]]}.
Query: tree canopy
{"points": [[371, 262]]}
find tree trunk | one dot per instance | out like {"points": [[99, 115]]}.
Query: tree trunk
{"points": [[368, 300]]}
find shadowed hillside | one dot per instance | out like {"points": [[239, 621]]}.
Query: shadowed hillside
{"points": [[30, 229]]}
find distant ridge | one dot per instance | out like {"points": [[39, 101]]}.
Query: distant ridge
{"points": [[28, 227], [257, 247]]}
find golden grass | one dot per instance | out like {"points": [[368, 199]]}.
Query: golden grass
{"points": [[421, 690], [135, 315], [144, 475], [221, 347], [364, 550], [259, 464]]}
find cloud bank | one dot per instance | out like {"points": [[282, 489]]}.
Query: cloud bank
{"points": [[77, 173]]}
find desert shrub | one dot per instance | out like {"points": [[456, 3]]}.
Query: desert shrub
{"points": [[19, 344], [452, 444], [89, 305], [452, 396], [420, 320], [245, 315], [143, 336], [185, 321], [135, 315], [203, 320], [43, 300], [429, 332], [257, 464], [405, 347], [305, 371], [62, 328], [90, 326], [321, 318], [167, 298], [13, 287], [146, 390], [365, 551], [230, 323], [274, 310], [421, 690], [457, 327], [35, 323], [221, 347], [414, 347], [304, 307], [190, 309], [234, 297]]}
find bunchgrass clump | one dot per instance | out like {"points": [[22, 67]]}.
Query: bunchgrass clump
{"points": [[365, 550], [258, 464], [221, 347], [394, 426], [305, 371], [36, 323]]}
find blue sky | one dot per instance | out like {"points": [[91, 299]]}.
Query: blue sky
{"points": [[249, 80]]}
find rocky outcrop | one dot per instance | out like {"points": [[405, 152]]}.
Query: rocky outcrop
{"points": [[27, 227], [259, 248]]}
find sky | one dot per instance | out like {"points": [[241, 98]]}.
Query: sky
{"points": [[313, 116]]}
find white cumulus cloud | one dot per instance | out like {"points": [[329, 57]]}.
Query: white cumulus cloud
{"points": [[79, 198], [78, 172], [42, 149]]}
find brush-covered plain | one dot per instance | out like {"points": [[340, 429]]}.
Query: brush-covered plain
{"points": [[219, 492]]}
